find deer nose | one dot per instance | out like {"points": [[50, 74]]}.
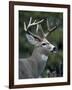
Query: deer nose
{"points": [[54, 49]]}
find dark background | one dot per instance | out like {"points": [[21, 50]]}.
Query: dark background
{"points": [[54, 67]]}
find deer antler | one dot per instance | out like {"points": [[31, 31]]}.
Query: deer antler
{"points": [[49, 29], [31, 24], [26, 27]]}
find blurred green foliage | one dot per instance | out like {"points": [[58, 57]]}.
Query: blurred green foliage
{"points": [[55, 62]]}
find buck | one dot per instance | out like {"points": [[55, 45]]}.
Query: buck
{"points": [[33, 66]]}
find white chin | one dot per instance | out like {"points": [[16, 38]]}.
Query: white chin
{"points": [[53, 51]]}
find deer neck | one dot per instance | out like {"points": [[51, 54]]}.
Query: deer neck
{"points": [[39, 55], [39, 58], [38, 61]]}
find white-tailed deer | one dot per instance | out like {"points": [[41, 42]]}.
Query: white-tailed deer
{"points": [[33, 66]]}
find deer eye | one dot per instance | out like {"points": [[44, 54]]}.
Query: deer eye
{"points": [[43, 43]]}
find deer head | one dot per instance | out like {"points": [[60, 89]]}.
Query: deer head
{"points": [[40, 41]]}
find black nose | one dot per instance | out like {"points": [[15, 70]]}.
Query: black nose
{"points": [[54, 49]]}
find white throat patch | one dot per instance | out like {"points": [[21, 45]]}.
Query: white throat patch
{"points": [[44, 57]]}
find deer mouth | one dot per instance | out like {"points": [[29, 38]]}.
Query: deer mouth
{"points": [[53, 51]]}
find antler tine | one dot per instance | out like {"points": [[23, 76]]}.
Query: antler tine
{"points": [[50, 30], [48, 26], [43, 34], [30, 21], [39, 27], [25, 28]]}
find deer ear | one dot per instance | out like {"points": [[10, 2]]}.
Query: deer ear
{"points": [[32, 40]]}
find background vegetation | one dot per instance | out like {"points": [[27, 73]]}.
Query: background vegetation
{"points": [[54, 67]]}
